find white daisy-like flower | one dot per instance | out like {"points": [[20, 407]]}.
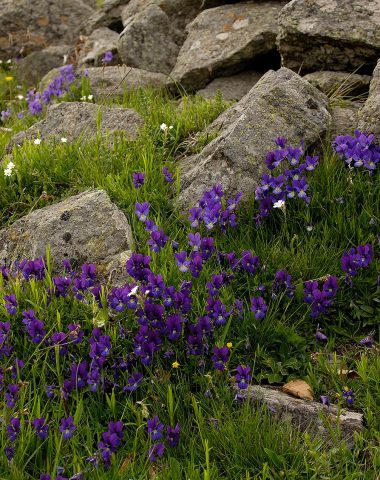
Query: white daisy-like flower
{"points": [[9, 60], [163, 127], [309, 228], [20, 97], [37, 141], [8, 169], [279, 204], [64, 140], [90, 97]]}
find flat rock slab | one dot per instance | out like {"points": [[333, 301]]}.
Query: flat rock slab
{"points": [[225, 40], [340, 82], [84, 228], [309, 415], [369, 115], [115, 81], [233, 87], [280, 104], [100, 41], [344, 120], [26, 25], [74, 120], [329, 34]]}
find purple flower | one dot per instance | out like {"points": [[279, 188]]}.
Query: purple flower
{"points": [[134, 381], [156, 451], [174, 327], [181, 261], [108, 56], [173, 435], [243, 377], [138, 179], [111, 441], [13, 429], [158, 240], [367, 341], [320, 337], [258, 307], [167, 175], [220, 357], [325, 400], [155, 428], [11, 304], [33, 268], [5, 114], [67, 427], [40, 427], [9, 452], [11, 396], [249, 262], [142, 210], [349, 395]]}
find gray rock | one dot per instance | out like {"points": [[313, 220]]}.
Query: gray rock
{"points": [[233, 87], [74, 120], [115, 81], [108, 16], [344, 120], [342, 83], [26, 26], [309, 415], [225, 40], [369, 115], [280, 104], [155, 30], [84, 228], [329, 34], [100, 41], [36, 65]]}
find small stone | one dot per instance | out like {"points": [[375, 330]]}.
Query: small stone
{"points": [[342, 83], [233, 87], [299, 389]]}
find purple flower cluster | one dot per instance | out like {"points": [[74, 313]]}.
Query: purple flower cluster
{"points": [[243, 377], [158, 238], [155, 431], [320, 300], [41, 427], [355, 259], [212, 210], [358, 151], [13, 430], [291, 183], [109, 444], [259, 307]]}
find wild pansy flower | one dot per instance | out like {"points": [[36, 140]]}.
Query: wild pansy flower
{"points": [[158, 240], [142, 211], [258, 307], [367, 341], [134, 381], [138, 266], [349, 395], [320, 337], [283, 279], [167, 175], [174, 327], [13, 429], [67, 427], [108, 56], [249, 262], [138, 179], [355, 259], [359, 150], [111, 441], [243, 377], [173, 435], [181, 261], [220, 357], [11, 304], [156, 451], [41, 428], [155, 428], [325, 400], [33, 268]]}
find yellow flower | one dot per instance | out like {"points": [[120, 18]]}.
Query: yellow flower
{"points": [[229, 344], [175, 364], [8, 78]]}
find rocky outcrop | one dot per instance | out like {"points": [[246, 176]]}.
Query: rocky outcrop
{"points": [[225, 40], [342, 83], [369, 115], [100, 41], [344, 120], [115, 81], [329, 34], [280, 104], [108, 16], [84, 228], [36, 65], [73, 120], [233, 87], [27, 26]]}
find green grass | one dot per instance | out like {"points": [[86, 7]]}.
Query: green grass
{"points": [[220, 439]]}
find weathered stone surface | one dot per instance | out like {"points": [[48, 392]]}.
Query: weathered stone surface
{"points": [[74, 120], [346, 83], [369, 115], [108, 16], [233, 87], [280, 104], [225, 40], [36, 65], [329, 34], [309, 415], [84, 228], [115, 81], [344, 120], [100, 41], [155, 30], [26, 26]]}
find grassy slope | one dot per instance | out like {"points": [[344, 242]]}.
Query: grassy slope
{"points": [[245, 444]]}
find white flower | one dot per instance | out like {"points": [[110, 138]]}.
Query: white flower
{"points": [[9, 60], [20, 97], [133, 291], [64, 140], [37, 141], [163, 127], [1, 62], [279, 204], [171, 126], [309, 228], [83, 98], [90, 97], [8, 169]]}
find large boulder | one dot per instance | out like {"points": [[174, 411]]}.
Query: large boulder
{"points": [[329, 34], [115, 81], [280, 104], [74, 120], [26, 26], [36, 65], [369, 115], [233, 87], [85, 228], [225, 40], [108, 16], [344, 119], [342, 83], [100, 41]]}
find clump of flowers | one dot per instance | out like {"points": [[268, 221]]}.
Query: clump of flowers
{"points": [[290, 183], [320, 299], [358, 151], [156, 431], [355, 259], [348, 395]]}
